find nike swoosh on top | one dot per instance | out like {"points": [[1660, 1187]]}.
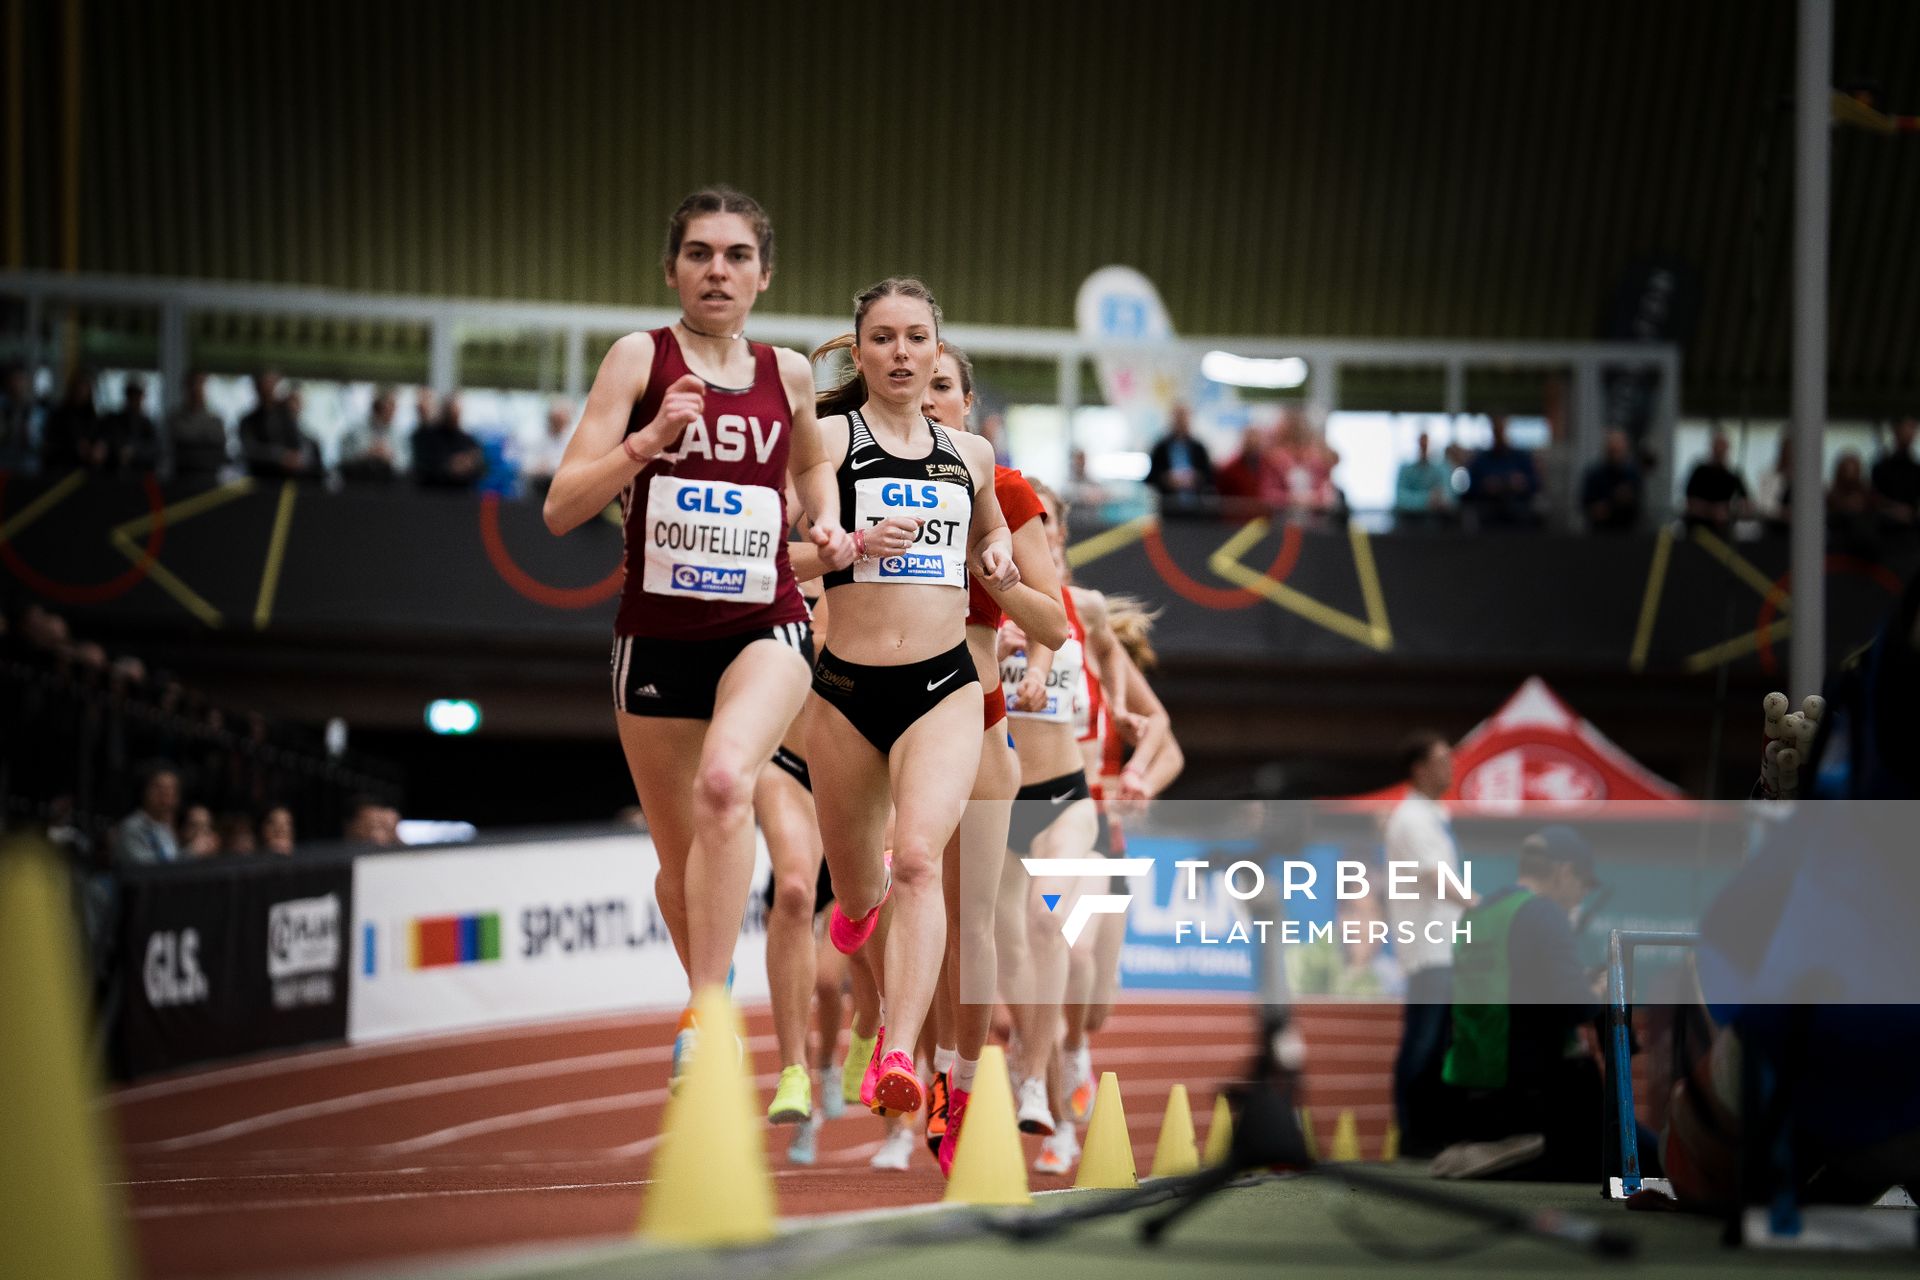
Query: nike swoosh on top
{"points": [[935, 684], [855, 466]]}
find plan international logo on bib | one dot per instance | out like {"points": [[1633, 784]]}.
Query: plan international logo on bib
{"points": [[914, 566], [693, 577]]}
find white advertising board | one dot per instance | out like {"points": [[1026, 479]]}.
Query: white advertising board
{"points": [[515, 932]]}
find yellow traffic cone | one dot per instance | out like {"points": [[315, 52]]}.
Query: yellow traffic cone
{"points": [[1175, 1153], [710, 1183], [988, 1167], [1390, 1145], [1107, 1162], [58, 1216], [1220, 1130], [1346, 1139], [1305, 1118]]}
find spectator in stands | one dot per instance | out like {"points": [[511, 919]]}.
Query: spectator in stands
{"points": [[1525, 1087], [133, 439], [1179, 468], [197, 436], [197, 838], [73, 436], [1610, 492], [993, 428], [1850, 505], [1896, 478], [1421, 493], [370, 822], [1283, 463], [375, 450], [276, 831], [444, 455], [236, 834], [1773, 493], [145, 836], [1238, 480], [543, 459], [1716, 495], [271, 441], [1418, 831], [1084, 492], [21, 417], [1502, 482]]}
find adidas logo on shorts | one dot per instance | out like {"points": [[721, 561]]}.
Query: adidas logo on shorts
{"points": [[646, 691]]}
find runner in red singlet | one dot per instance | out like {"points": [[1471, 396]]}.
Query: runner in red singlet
{"points": [[697, 430]]}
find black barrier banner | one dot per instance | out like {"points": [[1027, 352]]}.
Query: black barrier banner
{"points": [[232, 958]]}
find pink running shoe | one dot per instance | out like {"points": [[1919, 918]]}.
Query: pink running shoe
{"points": [[850, 935], [950, 1140], [874, 1063], [898, 1092]]}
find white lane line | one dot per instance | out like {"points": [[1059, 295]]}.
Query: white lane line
{"points": [[315, 1059], [385, 1197]]}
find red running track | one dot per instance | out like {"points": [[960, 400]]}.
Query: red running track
{"points": [[539, 1134]]}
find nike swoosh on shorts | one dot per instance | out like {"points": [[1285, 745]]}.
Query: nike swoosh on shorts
{"points": [[935, 684]]}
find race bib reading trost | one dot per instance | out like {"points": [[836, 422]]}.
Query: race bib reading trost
{"points": [[1061, 682], [711, 540], [938, 557]]}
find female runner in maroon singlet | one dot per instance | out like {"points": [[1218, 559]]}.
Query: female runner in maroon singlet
{"points": [[697, 431]]}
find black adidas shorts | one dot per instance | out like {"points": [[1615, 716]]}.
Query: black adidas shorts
{"points": [[676, 679]]}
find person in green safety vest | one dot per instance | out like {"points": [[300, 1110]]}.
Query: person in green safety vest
{"points": [[1524, 1086]]}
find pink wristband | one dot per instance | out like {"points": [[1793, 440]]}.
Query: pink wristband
{"points": [[860, 543]]}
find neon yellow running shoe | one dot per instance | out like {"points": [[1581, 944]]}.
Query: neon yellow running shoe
{"points": [[853, 1073], [793, 1098]]}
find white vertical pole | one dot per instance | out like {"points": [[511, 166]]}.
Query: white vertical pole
{"points": [[1812, 143]]}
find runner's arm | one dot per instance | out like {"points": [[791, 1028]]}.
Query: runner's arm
{"points": [[597, 464]]}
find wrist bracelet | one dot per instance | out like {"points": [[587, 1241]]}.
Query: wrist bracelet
{"points": [[860, 544], [626, 447]]}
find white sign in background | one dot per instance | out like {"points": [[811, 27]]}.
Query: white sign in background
{"points": [[579, 933]]}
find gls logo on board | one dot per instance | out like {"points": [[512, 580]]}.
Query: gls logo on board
{"points": [[172, 973]]}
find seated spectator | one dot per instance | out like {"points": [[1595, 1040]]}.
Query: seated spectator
{"points": [[375, 450], [543, 459], [276, 831], [370, 822], [197, 436], [1850, 504], [445, 456], [1610, 493], [74, 437], [133, 441], [1502, 482], [1420, 490], [271, 442], [1238, 479], [1896, 479], [197, 837], [1179, 468], [236, 834], [21, 418], [145, 836], [1083, 491], [1527, 1090], [1716, 495]]}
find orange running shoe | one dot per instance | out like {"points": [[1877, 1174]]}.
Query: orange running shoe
{"points": [[937, 1099]]}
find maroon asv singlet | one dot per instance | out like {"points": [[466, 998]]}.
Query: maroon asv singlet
{"points": [[706, 522]]}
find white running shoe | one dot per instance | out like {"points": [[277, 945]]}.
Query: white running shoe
{"points": [[897, 1151], [833, 1103], [803, 1149], [1033, 1113], [1059, 1153]]}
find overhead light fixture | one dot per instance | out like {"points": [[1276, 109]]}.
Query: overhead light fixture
{"points": [[1249, 371]]}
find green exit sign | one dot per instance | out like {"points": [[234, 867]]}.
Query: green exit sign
{"points": [[453, 716]]}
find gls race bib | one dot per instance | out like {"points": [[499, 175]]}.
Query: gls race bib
{"points": [[939, 557], [711, 540], [1061, 682]]}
